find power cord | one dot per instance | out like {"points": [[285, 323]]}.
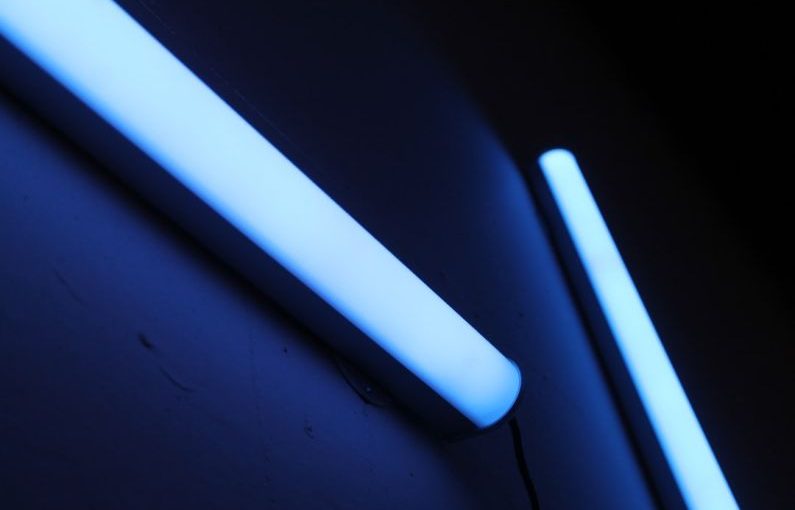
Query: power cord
{"points": [[521, 462]]}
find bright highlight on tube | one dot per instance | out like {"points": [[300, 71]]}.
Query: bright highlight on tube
{"points": [[106, 59], [694, 466]]}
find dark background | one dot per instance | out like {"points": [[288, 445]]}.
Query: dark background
{"points": [[139, 371]]}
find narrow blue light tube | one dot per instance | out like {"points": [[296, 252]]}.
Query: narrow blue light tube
{"points": [[106, 59], [686, 449]]}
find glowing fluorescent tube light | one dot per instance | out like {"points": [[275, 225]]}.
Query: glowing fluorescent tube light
{"points": [[101, 55], [686, 449]]}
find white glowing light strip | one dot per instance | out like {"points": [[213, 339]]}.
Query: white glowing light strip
{"points": [[694, 466], [106, 59]]}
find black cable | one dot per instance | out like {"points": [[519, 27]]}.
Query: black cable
{"points": [[521, 462]]}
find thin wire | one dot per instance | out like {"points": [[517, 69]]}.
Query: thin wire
{"points": [[521, 462]]}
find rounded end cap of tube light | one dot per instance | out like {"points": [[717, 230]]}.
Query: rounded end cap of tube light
{"points": [[498, 395], [506, 389], [499, 388], [512, 396], [557, 157]]}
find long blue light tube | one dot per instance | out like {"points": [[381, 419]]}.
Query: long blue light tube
{"points": [[106, 59], [687, 451]]}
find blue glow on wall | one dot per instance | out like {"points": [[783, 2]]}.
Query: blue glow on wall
{"points": [[687, 451], [106, 59]]}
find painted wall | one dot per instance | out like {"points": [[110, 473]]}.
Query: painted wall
{"points": [[138, 371]]}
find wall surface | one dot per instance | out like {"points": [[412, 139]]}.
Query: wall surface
{"points": [[138, 371]]}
